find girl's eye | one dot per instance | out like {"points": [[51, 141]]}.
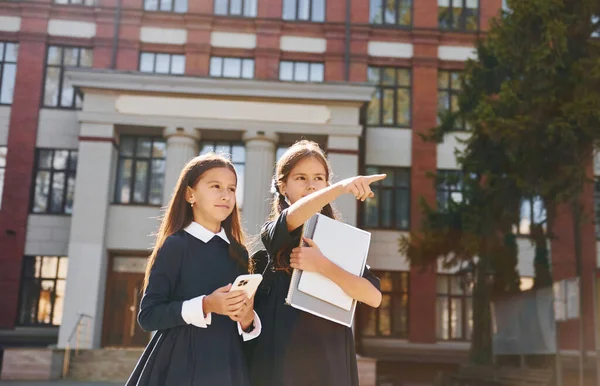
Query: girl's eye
{"points": [[232, 190], [319, 178], [215, 186], [300, 178]]}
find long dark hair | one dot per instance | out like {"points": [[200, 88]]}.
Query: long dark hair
{"points": [[294, 154], [179, 215]]}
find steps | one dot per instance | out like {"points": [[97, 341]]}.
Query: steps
{"points": [[107, 364]]}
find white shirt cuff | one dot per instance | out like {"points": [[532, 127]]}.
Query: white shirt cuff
{"points": [[192, 313], [254, 333]]}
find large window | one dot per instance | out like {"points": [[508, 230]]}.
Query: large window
{"points": [[3, 150], [532, 210], [304, 10], [56, 92], [42, 290], [76, 2], [177, 6], [454, 308], [54, 181], [245, 8], [231, 67], [449, 88], [8, 71], [301, 71], [391, 102], [391, 13], [597, 204], [141, 170], [391, 318], [390, 208], [236, 153], [458, 15], [449, 187], [162, 63]]}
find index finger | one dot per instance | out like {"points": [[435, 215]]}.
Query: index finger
{"points": [[235, 294], [375, 177]]}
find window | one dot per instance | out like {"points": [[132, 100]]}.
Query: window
{"points": [[449, 87], [596, 29], [8, 71], [390, 208], [56, 93], [76, 2], [391, 318], [454, 309], [304, 10], [391, 102], [301, 71], [532, 210], [246, 8], [54, 181], [449, 187], [236, 153], [162, 63], [279, 152], [458, 15], [597, 204], [141, 170], [177, 6], [391, 13], [42, 290], [231, 67]]}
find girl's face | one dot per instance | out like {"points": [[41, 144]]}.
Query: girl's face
{"points": [[213, 197], [308, 176]]}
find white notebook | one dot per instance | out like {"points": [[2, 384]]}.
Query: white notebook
{"points": [[344, 245]]}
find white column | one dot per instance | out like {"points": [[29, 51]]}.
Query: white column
{"points": [[259, 169], [88, 259], [182, 145], [342, 152]]}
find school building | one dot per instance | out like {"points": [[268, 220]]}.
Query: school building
{"points": [[103, 101]]}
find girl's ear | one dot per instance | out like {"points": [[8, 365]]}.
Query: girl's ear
{"points": [[189, 195], [282, 187]]}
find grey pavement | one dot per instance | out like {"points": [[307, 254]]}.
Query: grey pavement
{"points": [[57, 383]]}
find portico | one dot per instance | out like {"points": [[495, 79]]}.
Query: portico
{"points": [[108, 238]]}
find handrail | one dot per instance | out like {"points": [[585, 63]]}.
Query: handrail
{"points": [[76, 330]]}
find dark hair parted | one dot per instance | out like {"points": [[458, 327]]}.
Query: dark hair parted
{"points": [[179, 214]]}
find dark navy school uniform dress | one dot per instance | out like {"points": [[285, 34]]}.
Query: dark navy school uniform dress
{"points": [[296, 348], [182, 354]]}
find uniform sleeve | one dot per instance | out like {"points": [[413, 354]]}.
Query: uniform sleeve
{"points": [[158, 310], [367, 274], [275, 234]]}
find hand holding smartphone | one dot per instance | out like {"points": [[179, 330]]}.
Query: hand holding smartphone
{"points": [[247, 283]]}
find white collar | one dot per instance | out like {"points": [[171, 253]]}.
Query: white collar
{"points": [[203, 234]]}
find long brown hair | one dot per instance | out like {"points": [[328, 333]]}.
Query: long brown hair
{"points": [[179, 214], [297, 152]]}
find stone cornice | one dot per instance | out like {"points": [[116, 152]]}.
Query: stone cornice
{"points": [[150, 83]]}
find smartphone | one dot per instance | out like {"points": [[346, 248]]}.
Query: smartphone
{"points": [[247, 283]]}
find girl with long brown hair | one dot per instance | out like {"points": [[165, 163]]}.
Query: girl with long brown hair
{"points": [[295, 347], [200, 324]]}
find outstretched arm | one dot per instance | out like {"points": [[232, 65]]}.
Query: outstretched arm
{"points": [[300, 211]]}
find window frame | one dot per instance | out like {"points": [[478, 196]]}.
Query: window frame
{"points": [[3, 64], [134, 158], [154, 55], [296, 4], [252, 13], [452, 92], [170, 10], [464, 298], [462, 24], [61, 68], [223, 58], [455, 187], [294, 63], [396, 23], [380, 87], [365, 311], [83, 3], [377, 187], [39, 280], [68, 172]]}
